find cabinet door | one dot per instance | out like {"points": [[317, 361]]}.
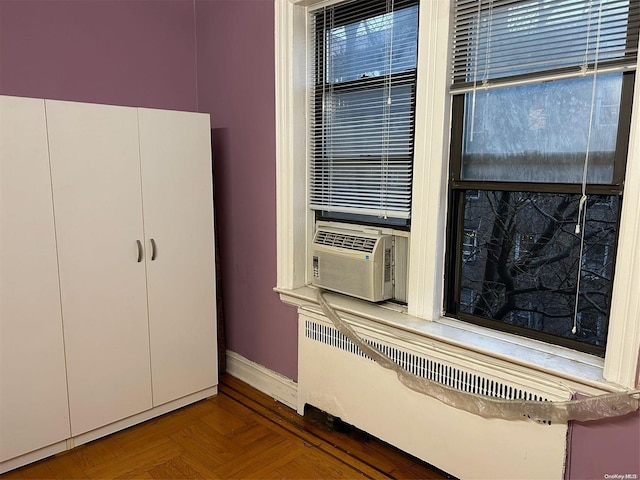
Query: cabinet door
{"points": [[95, 172], [175, 152], [33, 389]]}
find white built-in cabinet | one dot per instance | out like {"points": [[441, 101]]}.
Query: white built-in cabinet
{"points": [[177, 197], [108, 293], [33, 391], [95, 173]]}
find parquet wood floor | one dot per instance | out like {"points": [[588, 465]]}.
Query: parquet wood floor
{"points": [[240, 433]]}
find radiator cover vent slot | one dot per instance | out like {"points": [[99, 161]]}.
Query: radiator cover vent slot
{"points": [[421, 366]]}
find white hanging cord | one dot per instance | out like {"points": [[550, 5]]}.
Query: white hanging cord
{"points": [[327, 110], [585, 64], [475, 72], [325, 75], [582, 215], [582, 207], [391, 9], [387, 115], [485, 74]]}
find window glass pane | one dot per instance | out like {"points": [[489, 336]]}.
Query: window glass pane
{"points": [[524, 270], [373, 46], [469, 245], [540, 132]]}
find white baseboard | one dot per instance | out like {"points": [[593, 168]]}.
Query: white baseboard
{"points": [[277, 386]]}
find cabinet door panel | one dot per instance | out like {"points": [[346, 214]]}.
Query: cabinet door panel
{"points": [[33, 388], [175, 151], [95, 171]]}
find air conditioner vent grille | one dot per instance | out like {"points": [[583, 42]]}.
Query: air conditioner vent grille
{"points": [[351, 242], [420, 366]]}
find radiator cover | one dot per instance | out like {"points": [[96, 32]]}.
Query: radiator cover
{"points": [[335, 376]]}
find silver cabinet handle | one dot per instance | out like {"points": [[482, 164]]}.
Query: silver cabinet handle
{"points": [[154, 250], [140, 252]]}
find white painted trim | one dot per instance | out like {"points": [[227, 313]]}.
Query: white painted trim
{"points": [[83, 438], [623, 342], [428, 210], [267, 381], [291, 143]]}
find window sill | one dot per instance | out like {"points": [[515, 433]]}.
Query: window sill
{"points": [[579, 371]]}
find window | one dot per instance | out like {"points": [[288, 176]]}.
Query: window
{"points": [[472, 195], [467, 297], [541, 112], [525, 242], [362, 111], [469, 245], [430, 220]]}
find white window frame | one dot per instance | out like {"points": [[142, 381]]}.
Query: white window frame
{"points": [[427, 242]]}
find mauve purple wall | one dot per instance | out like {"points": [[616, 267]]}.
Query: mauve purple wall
{"points": [[142, 52], [133, 52], [607, 447], [236, 84]]}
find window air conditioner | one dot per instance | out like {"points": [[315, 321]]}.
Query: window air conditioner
{"points": [[356, 263]]}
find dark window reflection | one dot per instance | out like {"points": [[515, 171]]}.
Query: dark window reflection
{"points": [[522, 265]]}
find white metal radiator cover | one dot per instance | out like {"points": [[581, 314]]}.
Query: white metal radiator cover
{"points": [[335, 376]]}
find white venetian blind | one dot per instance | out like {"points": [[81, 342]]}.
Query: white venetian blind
{"points": [[510, 41], [362, 109]]}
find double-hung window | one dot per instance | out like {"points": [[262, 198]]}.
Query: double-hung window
{"points": [[362, 111], [541, 111]]}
